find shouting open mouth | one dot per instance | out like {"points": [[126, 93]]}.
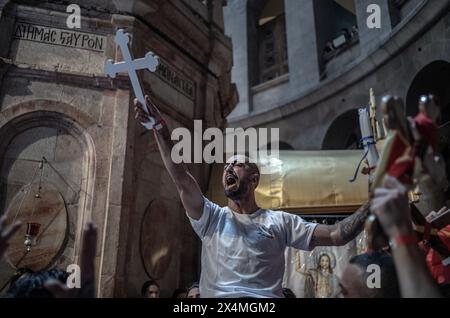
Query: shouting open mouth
{"points": [[231, 181]]}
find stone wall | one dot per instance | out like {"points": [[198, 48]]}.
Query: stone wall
{"points": [[389, 67], [55, 99]]}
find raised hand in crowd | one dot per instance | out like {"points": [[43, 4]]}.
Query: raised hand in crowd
{"points": [[6, 232], [87, 269], [390, 205]]}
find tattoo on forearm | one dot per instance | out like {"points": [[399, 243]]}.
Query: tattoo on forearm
{"points": [[350, 227]]}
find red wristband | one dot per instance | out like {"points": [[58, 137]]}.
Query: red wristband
{"points": [[403, 240]]}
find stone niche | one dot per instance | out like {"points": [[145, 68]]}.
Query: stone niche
{"points": [[57, 103], [43, 178]]}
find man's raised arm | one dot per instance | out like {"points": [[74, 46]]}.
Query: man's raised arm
{"points": [[342, 232], [188, 188]]}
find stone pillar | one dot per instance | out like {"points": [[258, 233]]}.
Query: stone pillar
{"points": [[6, 30], [304, 70], [324, 15], [370, 38], [4, 65], [235, 16], [217, 13]]}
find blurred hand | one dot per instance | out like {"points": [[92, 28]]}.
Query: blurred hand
{"points": [[390, 205], [142, 115], [87, 268], [6, 233], [434, 215]]}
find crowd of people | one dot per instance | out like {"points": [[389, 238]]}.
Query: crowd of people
{"points": [[151, 289], [404, 272], [243, 244]]}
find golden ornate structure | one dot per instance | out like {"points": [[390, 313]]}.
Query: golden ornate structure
{"points": [[307, 182]]}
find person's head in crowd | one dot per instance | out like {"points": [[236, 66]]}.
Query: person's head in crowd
{"points": [[193, 291], [346, 33], [288, 293], [329, 47], [361, 273], [430, 105], [150, 289], [240, 178], [31, 285], [179, 293]]}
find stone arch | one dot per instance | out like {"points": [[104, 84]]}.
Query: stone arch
{"points": [[282, 145], [25, 129], [344, 132]]}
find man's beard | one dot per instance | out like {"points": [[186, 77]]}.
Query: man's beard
{"points": [[237, 194]]}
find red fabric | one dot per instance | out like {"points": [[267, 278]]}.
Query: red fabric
{"points": [[427, 129], [405, 240], [439, 272], [400, 163]]}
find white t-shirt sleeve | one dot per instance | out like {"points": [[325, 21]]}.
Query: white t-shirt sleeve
{"points": [[298, 232], [206, 224]]}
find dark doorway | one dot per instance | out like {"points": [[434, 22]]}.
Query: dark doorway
{"points": [[344, 132], [434, 79], [267, 48]]}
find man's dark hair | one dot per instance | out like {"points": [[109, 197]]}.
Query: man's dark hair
{"points": [[388, 276], [31, 285], [147, 284], [288, 293], [179, 291], [194, 285], [253, 167]]}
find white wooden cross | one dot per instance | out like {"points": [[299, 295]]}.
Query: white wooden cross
{"points": [[150, 62]]}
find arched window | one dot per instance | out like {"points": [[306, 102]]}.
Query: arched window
{"points": [[344, 133], [336, 27], [267, 40], [432, 79]]}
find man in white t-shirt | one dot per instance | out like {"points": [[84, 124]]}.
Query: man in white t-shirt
{"points": [[242, 244]]}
